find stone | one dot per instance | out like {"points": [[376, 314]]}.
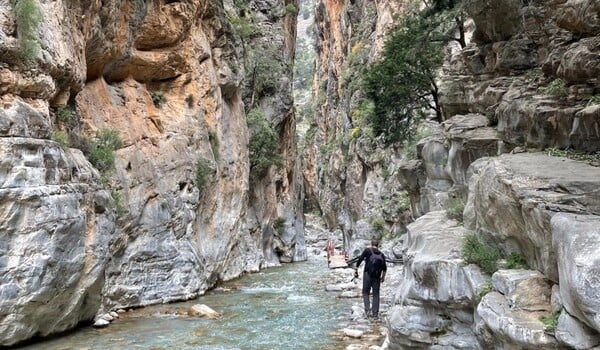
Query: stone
{"points": [[202, 310], [575, 334], [353, 333], [576, 239], [512, 326], [101, 323], [526, 289], [513, 197]]}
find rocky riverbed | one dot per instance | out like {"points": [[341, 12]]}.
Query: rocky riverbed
{"points": [[355, 331]]}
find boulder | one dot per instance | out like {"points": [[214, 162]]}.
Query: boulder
{"points": [[513, 197], [576, 239], [575, 334], [511, 326], [202, 310], [526, 289]]}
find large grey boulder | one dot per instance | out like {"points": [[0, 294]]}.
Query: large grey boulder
{"points": [[576, 239], [512, 199], [575, 334], [434, 301], [57, 226]]}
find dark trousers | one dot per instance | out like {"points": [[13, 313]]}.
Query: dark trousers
{"points": [[371, 282]]}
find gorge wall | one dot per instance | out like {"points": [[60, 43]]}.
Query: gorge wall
{"points": [[171, 84], [518, 98]]}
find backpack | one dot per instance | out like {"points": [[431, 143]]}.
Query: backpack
{"points": [[376, 262]]}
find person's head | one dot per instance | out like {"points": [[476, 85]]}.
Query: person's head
{"points": [[375, 242]]}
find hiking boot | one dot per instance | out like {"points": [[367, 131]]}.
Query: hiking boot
{"points": [[368, 314]]}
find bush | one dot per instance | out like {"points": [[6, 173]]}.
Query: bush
{"points": [[28, 17], [454, 209], [263, 145], [378, 225], [62, 138], [291, 9], [64, 115], [515, 260], [485, 290], [203, 173], [557, 88], [158, 98], [100, 150], [279, 225], [119, 202], [476, 250], [213, 138], [550, 322]]}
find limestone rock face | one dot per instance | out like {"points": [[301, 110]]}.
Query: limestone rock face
{"points": [[436, 297], [513, 198], [350, 176], [58, 226], [576, 239], [178, 212]]}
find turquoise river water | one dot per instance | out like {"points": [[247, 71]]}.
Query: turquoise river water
{"points": [[277, 308]]}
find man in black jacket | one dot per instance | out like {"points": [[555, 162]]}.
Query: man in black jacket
{"points": [[373, 276]]}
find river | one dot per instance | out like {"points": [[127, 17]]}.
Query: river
{"points": [[278, 308]]}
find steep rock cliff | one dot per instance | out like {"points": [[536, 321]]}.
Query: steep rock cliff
{"points": [[349, 176], [178, 211], [526, 81]]}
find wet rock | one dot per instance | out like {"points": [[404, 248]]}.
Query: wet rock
{"points": [[101, 323], [353, 333], [201, 310]]}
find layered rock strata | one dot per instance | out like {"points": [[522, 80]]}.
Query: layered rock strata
{"points": [[177, 212]]}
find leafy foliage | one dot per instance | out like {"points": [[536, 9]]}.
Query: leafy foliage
{"points": [[454, 209], [28, 17], [263, 145], [64, 115], [556, 87], [203, 173], [100, 149], [402, 85], [477, 251], [158, 98], [550, 322], [515, 260], [61, 137]]}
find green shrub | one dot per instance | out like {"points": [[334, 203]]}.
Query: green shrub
{"points": [[158, 98], [556, 87], [203, 173], [476, 250], [485, 290], [213, 138], [550, 322], [100, 150], [516, 260], [291, 9], [119, 202], [263, 145], [244, 27], [279, 225], [454, 209], [574, 154], [28, 16], [62, 138], [378, 225], [64, 115]]}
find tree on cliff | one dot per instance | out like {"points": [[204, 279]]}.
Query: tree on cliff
{"points": [[402, 85]]}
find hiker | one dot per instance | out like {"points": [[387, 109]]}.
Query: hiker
{"points": [[373, 275]]}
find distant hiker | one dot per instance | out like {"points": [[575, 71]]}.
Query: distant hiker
{"points": [[373, 275]]}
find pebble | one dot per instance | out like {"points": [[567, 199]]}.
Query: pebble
{"points": [[101, 323]]}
